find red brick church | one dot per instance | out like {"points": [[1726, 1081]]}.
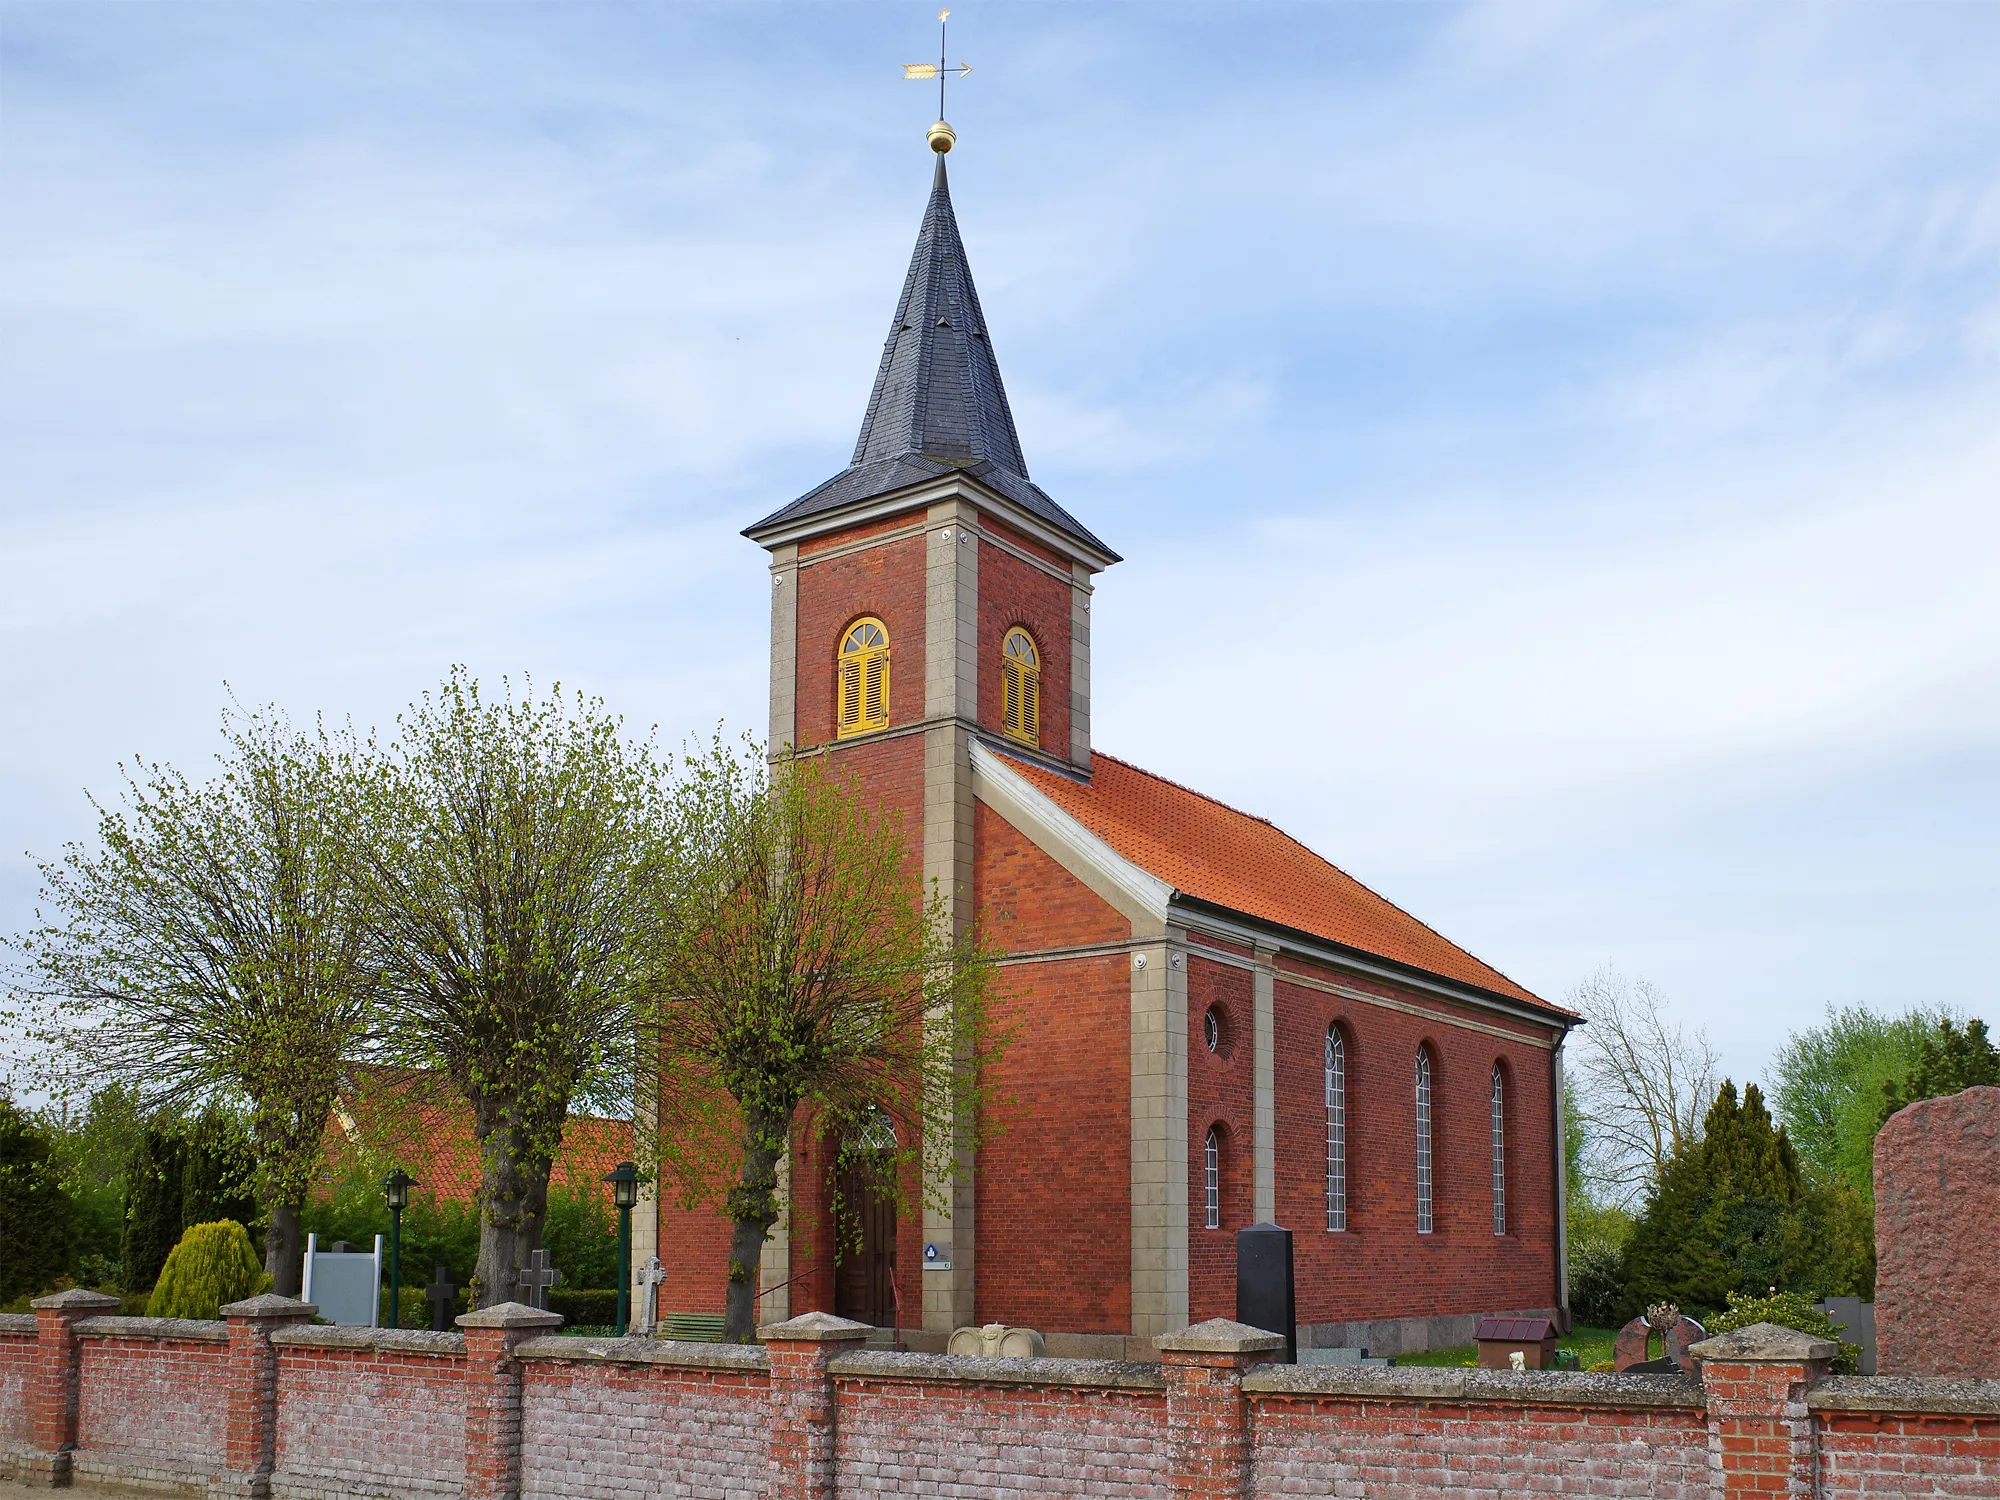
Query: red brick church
{"points": [[1216, 1027]]}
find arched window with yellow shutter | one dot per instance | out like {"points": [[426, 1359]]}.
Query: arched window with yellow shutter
{"points": [[863, 698], [1021, 684]]}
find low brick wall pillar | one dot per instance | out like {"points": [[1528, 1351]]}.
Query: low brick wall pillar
{"points": [[1208, 1419], [1762, 1438], [252, 1441], [802, 1404], [493, 1396], [52, 1394]]}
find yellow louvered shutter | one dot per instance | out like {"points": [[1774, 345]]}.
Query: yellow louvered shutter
{"points": [[850, 694], [875, 690], [1021, 684]]}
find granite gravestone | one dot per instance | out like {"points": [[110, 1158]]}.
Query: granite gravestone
{"points": [[443, 1295], [1264, 1296], [1937, 1214], [537, 1279]]}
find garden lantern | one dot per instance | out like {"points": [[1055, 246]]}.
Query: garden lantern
{"points": [[396, 1188], [624, 1180]]}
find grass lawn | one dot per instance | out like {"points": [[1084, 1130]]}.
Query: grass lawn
{"points": [[1592, 1345]]}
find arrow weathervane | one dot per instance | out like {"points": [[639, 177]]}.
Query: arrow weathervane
{"points": [[941, 134]]}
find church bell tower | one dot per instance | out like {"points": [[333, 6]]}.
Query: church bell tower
{"points": [[928, 596]]}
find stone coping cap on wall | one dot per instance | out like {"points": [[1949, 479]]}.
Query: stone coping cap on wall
{"points": [[77, 1299], [642, 1351], [403, 1340], [510, 1315], [1763, 1341], [1904, 1393], [270, 1305], [18, 1323], [973, 1369], [815, 1328], [199, 1329], [1512, 1387], [1219, 1336]]}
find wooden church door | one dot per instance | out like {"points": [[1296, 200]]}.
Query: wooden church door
{"points": [[865, 1276]]}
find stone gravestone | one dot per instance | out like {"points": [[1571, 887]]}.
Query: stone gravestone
{"points": [[443, 1295], [646, 1282], [536, 1281], [1937, 1215], [1677, 1332]]}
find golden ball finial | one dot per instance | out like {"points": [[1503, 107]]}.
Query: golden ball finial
{"points": [[941, 137]]}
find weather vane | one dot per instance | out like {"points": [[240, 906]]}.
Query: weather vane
{"points": [[941, 134]]}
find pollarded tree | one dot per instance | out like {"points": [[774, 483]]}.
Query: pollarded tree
{"points": [[508, 853], [209, 951], [800, 973]]}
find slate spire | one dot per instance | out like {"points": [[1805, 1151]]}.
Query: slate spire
{"points": [[938, 391], [938, 405]]}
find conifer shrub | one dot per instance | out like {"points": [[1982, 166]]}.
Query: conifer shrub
{"points": [[1788, 1310], [212, 1266]]}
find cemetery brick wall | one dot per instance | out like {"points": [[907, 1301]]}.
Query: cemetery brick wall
{"points": [[693, 1422], [1869, 1455], [1380, 1267], [913, 1424], [1319, 1445], [1221, 1096], [1054, 1181], [369, 1411], [601, 1418], [150, 1408], [18, 1348]]}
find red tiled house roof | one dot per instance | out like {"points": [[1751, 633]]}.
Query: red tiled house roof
{"points": [[395, 1117], [1210, 852]]}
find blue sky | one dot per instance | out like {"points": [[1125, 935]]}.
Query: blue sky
{"points": [[1553, 445]]}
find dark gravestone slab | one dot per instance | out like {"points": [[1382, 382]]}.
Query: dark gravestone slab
{"points": [[1264, 1295], [443, 1295]]}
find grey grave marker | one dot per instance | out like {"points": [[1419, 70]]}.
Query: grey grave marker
{"points": [[538, 1278]]}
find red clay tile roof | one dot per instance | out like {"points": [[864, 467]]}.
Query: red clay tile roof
{"points": [[414, 1121], [1211, 852]]}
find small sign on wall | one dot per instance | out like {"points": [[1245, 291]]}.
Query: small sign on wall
{"points": [[937, 1255]]}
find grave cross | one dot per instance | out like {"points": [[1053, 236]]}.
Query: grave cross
{"points": [[538, 1278], [443, 1297], [645, 1287]]}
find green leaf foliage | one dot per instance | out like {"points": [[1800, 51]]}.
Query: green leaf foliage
{"points": [[1827, 1086], [1948, 1060], [508, 854], [37, 1218], [1732, 1213], [208, 951], [182, 1173], [801, 976], [1787, 1310], [212, 1266]]}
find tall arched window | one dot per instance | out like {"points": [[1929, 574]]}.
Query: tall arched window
{"points": [[864, 679], [1211, 1180], [1336, 1130], [1021, 683], [1499, 1151], [1423, 1140]]}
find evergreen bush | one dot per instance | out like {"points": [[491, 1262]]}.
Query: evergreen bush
{"points": [[1733, 1214], [37, 1219], [153, 1224], [1788, 1310], [212, 1266]]}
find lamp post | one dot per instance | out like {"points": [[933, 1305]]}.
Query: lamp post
{"points": [[396, 1187], [624, 1180]]}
